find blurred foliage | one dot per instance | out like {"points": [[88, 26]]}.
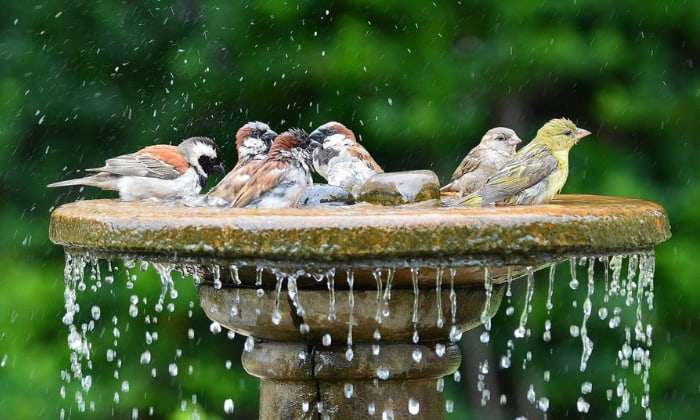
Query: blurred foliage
{"points": [[419, 82]]}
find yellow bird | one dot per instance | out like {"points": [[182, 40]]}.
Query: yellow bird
{"points": [[536, 173]]}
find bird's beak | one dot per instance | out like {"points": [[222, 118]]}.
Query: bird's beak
{"points": [[581, 133], [269, 136], [514, 141], [313, 144], [317, 136]]}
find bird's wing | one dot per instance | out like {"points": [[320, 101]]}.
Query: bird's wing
{"points": [[519, 174], [263, 180], [468, 164], [161, 161]]}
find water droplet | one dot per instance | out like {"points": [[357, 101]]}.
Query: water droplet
{"points": [[440, 349], [228, 406], [305, 406], [413, 406], [145, 357], [531, 394], [449, 406], [543, 404], [440, 385], [172, 369], [370, 409], [349, 354], [326, 340], [349, 389], [276, 317], [484, 337], [215, 327], [95, 310], [249, 344], [574, 330], [582, 405], [388, 414], [586, 388], [417, 355], [382, 373]]}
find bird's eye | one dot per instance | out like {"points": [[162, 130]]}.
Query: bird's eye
{"points": [[567, 132], [500, 138]]}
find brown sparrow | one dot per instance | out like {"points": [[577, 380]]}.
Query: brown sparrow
{"points": [[341, 160], [282, 178], [158, 171], [253, 142], [496, 148]]}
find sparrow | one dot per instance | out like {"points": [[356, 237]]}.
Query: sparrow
{"points": [[282, 178], [253, 142], [496, 148], [156, 172], [537, 172], [341, 160]]}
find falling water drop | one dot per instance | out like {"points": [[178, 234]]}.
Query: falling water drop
{"points": [[453, 298], [582, 405], [348, 390], [351, 305], [439, 349], [521, 331], [330, 276], [573, 284], [377, 274], [172, 369], [249, 344], [587, 342], [413, 406], [417, 355], [326, 339], [415, 317], [228, 406], [438, 296]]}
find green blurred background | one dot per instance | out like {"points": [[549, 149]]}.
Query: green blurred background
{"points": [[419, 82]]}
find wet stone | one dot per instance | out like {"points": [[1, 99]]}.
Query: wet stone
{"points": [[326, 195], [395, 188]]}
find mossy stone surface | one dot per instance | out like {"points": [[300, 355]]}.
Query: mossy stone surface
{"points": [[569, 225]]}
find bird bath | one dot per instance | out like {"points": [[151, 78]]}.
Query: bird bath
{"points": [[356, 309]]}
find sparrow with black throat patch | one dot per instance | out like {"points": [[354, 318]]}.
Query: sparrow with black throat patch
{"points": [[156, 172], [340, 159], [494, 150], [283, 177], [253, 142]]}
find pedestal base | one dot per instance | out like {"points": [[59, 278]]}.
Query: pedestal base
{"points": [[300, 381]]}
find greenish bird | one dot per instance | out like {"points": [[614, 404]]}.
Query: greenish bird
{"points": [[536, 173]]}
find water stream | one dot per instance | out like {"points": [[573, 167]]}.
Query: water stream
{"points": [[618, 295]]}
